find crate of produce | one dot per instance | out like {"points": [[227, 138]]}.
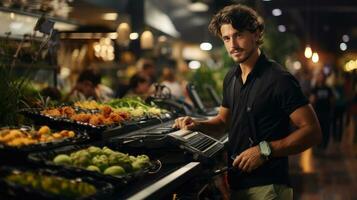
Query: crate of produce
{"points": [[27, 139], [100, 120], [109, 163], [33, 182]]}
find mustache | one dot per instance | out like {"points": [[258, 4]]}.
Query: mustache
{"points": [[236, 49]]}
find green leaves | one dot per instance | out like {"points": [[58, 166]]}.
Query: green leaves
{"points": [[11, 90]]}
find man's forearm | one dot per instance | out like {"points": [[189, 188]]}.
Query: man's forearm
{"points": [[298, 141], [214, 126]]}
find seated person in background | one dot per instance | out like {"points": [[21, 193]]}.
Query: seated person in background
{"points": [[147, 68], [88, 87], [169, 80], [139, 85], [85, 87], [104, 92]]}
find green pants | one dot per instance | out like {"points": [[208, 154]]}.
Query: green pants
{"points": [[265, 192]]}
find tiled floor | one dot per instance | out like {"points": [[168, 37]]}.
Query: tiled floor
{"points": [[331, 175]]}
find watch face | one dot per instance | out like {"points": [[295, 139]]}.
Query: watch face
{"points": [[265, 148]]}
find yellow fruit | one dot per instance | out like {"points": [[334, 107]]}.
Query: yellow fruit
{"points": [[57, 135], [64, 133], [44, 130], [71, 134], [15, 133]]}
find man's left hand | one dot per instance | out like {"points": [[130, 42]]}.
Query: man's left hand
{"points": [[249, 159]]}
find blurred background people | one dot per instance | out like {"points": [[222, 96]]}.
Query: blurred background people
{"points": [[339, 109], [139, 86], [169, 80], [147, 68], [89, 86], [322, 98]]}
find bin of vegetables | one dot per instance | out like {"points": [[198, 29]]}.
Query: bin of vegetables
{"points": [[50, 183], [112, 164]]}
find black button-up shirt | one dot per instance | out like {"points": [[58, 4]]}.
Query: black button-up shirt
{"points": [[277, 95]]}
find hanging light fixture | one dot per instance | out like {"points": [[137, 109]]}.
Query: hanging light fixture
{"points": [[308, 52], [123, 32], [315, 57], [147, 40]]}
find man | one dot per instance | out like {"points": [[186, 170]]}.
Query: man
{"points": [[260, 100], [148, 68], [322, 98], [139, 86]]}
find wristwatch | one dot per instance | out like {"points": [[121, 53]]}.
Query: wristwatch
{"points": [[265, 150]]}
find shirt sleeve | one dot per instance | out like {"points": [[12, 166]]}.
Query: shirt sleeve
{"points": [[289, 95]]}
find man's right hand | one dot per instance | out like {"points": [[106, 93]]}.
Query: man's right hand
{"points": [[186, 123]]}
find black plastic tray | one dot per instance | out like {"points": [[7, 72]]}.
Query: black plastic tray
{"points": [[12, 191], [79, 138], [57, 122], [95, 132], [47, 157]]}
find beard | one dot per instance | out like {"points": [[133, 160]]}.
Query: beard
{"points": [[244, 55]]}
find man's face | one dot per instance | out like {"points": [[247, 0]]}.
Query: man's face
{"points": [[239, 45]]}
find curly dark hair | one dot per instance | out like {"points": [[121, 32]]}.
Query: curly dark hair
{"points": [[240, 17], [136, 79]]}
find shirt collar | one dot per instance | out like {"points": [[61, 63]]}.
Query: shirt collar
{"points": [[259, 65]]}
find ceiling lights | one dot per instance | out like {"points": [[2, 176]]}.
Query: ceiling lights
{"points": [[315, 57], [147, 40], [276, 12], [351, 65], [198, 7], [308, 52], [134, 35], [110, 16], [281, 28], [194, 64], [104, 49], [123, 31], [206, 46], [343, 46], [345, 38]]}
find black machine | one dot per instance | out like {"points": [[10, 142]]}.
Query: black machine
{"points": [[176, 106], [197, 145], [197, 101], [213, 94], [163, 98]]}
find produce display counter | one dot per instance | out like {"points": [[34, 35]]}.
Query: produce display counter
{"points": [[163, 183], [181, 157]]}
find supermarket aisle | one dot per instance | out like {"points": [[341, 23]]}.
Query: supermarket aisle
{"points": [[331, 175]]}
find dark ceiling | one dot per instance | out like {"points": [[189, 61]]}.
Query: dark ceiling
{"points": [[321, 23], [318, 22]]}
